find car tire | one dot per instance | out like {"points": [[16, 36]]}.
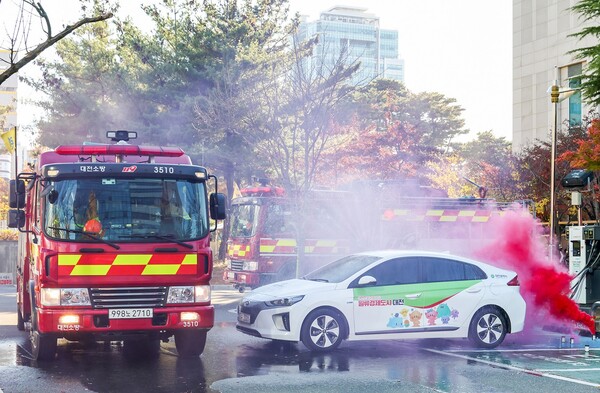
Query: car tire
{"points": [[323, 330], [190, 343], [488, 327]]}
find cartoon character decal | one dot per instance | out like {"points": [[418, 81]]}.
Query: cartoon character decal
{"points": [[415, 318], [395, 321], [431, 315]]}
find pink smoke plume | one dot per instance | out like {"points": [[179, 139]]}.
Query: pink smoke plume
{"points": [[517, 244]]}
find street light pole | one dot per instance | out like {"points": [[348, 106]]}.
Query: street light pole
{"points": [[554, 94]]}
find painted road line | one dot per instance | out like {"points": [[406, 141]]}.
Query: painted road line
{"points": [[513, 368], [522, 350], [560, 370]]}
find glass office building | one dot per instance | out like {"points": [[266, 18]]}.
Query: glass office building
{"points": [[351, 35]]}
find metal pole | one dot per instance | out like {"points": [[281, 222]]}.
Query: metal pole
{"points": [[554, 99]]}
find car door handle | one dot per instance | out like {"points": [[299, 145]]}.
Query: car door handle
{"points": [[474, 290], [414, 296]]}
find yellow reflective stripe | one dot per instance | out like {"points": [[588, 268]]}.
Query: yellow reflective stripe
{"points": [[480, 219], [286, 242], [466, 213], [132, 259], [190, 259], [434, 212], [325, 243], [151, 270], [90, 270], [448, 218], [68, 260], [267, 248]]}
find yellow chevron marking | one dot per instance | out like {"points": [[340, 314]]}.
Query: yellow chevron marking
{"points": [[132, 259], [434, 213], [152, 270], [448, 218], [190, 259], [68, 260], [90, 270]]}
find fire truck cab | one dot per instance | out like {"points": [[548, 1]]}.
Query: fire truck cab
{"points": [[114, 246]]}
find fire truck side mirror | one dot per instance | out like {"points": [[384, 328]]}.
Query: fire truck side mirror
{"points": [[16, 218], [16, 194], [217, 206]]}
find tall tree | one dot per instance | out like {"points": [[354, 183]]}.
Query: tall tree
{"points": [[489, 162], [395, 132], [589, 10], [29, 12]]}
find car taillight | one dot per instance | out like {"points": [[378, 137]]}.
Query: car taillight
{"points": [[514, 282]]}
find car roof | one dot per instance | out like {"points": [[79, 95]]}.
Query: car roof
{"points": [[386, 254]]}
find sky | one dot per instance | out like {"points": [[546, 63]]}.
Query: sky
{"points": [[460, 48]]}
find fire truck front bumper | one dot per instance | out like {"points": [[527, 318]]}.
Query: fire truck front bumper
{"points": [[249, 279], [73, 321]]}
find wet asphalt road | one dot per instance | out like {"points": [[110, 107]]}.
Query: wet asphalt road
{"points": [[233, 362]]}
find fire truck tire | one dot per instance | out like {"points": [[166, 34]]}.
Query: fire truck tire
{"points": [[43, 346], [323, 330], [20, 320], [190, 343], [488, 327]]}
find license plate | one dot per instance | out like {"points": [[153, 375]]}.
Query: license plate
{"points": [[243, 317], [230, 275], [130, 313]]}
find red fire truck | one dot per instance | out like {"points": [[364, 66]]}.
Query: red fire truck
{"points": [[114, 246], [264, 222]]}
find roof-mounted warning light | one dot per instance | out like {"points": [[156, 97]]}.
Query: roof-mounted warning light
{"points": [[128, 150], [263, 191], [121, 135]]}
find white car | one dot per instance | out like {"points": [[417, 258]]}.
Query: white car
{"points": [[388, 295]]}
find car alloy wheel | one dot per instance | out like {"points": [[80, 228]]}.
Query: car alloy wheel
{"points": [[322, 330], [488, 328]]}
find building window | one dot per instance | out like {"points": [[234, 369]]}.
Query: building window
{"points": [[574, 74]]}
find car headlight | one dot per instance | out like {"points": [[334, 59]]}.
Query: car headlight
{"points": [[250, 266], [189, 294], [65, 297], [284, 302]]}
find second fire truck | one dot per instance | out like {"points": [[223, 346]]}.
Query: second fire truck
{"points": [[265, 225]]}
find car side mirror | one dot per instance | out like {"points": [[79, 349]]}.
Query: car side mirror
{"points": [[367, 280]]}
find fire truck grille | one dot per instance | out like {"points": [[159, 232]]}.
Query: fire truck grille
{"points": [[237, 266], [128, 297]]}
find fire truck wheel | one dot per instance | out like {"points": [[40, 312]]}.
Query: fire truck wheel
{"points": [[43, 346], [323, 330], [190, 343], [488, 327], [20, 320]]}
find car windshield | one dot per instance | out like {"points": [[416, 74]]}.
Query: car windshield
{"points": [[341, 269], [116, 210]]}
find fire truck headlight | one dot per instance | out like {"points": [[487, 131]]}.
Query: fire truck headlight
{"points": [[189, 294], [202, 293], [65, 297], [250, 266]]}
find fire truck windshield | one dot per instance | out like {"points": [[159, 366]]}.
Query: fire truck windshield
{"points": [[125, 210], [243, 220]]}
